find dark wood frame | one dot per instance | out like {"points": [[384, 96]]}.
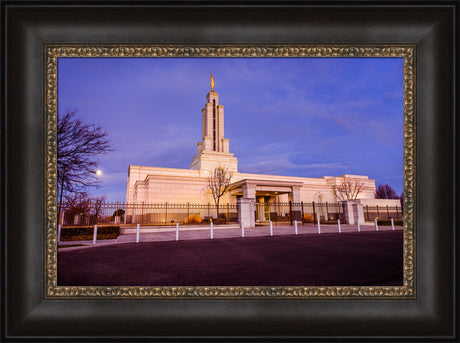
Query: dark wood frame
{"points": [[27, 26]]}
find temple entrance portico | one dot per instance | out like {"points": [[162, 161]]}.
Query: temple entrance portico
{"points": [[259, 194]]}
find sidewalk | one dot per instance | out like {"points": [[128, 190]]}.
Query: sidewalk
{"points": [[161, 233]]}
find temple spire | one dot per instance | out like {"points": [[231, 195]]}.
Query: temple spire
{"points": [[213, 150]]}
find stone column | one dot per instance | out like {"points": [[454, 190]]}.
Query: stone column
{"points": [[348, 211], [354, 211], [296, 194], [249, 191], [296, 212], [261, 209], [246, 209], [358, 211]]}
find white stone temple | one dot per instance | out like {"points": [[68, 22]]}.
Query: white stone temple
{"points": [[154, 184]]}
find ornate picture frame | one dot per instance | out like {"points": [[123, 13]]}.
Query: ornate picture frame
{"points": [[408, 290]]}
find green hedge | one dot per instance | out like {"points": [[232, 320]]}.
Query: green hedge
{"points": [[85, 233], [396, 222]]}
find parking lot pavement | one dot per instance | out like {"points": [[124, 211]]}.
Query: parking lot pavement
{"points": [[331, 259]]}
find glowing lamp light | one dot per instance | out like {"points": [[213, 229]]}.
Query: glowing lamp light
{"points": [[98, 172]]}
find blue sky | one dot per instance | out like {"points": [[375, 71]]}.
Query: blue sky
{"points": [[285, 116]]}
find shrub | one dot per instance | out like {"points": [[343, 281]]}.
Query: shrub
{"points": [[193, 219], [85, 233], [396, 222], [118, 213], [222, 220], [308, 218]]}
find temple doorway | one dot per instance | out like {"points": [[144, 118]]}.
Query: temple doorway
{"points": [[263, 207]]}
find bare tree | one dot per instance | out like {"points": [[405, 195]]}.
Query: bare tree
{"points": [[219, 184], [348, 190], [78, 145], [385, 192], [75, 204], [80, 203], [75, 199], [97, 202]]}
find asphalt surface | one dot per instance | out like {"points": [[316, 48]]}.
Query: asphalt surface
{"points": [[332, 259]]}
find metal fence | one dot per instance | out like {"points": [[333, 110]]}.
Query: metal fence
{"points": [[191, 213], [301, 211], [147, 213], [382, 212]]}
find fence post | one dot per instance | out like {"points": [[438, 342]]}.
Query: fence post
{"points": [[301, 203], [142, 213], [338, 225], [319, 226], [290, 211], [177, 231], [228, 213], [208, 209], [95, 234], [392, 225], [59, 233], [188, 211], [212, 231], [138, 232], [116, 215], [242, 230], [327, 211], [357, 221], [89, 214], [388, 212], [367, 210], [378, 214], [295, 227], [134, 216], [314, 212], [271, 228], [166, 212], [376, 225]]}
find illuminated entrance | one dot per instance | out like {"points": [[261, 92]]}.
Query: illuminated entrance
{"points": [[267, 196]]}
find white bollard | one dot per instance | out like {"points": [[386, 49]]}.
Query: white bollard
{"points": [[242, 230], [392, 225], [319, 227], [271, 228], [359, 229], [295, 227], [177, 231], [212, 231], [59, 233], [95, 234], [338, 224], [138, 232], [376, 226]]}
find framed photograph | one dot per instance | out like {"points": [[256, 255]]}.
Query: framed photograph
{"points": [[200, 237], [224, 195]]}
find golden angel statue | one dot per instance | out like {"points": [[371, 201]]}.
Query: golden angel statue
{"points": [[212, 81]]}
